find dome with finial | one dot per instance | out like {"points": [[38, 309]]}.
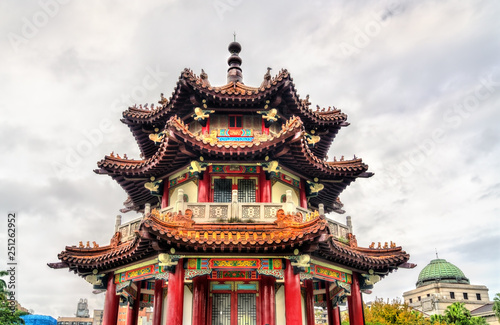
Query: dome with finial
{"points": [[441, 271]]}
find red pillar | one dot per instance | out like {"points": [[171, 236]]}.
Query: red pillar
{"points": [[111, 303], [310, 302], [175, 297], [264, 129], [293, 305], [329, 306], [355, 303], [200, 298], [133, 312], [336, 316], [303, 197], [204, 188], [158, 302], [164, 198], [206, 128], [265, 187], [268, 300]]}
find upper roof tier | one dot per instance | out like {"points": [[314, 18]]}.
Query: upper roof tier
{"points": [[191, 90], [179, 146]]}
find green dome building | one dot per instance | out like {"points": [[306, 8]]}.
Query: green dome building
{"points": [[440, 284], [441, 271]]}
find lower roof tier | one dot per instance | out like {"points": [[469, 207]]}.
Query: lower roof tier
{"points": [[290, 234]]}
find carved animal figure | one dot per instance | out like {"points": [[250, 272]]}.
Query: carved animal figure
{"points": [[156, 137], [200, 114], [271, 116]]}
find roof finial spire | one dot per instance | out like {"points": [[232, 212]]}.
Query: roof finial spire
{"points": [[234, 73], [234, 35], [436, 253]]}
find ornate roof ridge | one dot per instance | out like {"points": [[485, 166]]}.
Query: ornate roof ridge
{"points": [[344, 165]]}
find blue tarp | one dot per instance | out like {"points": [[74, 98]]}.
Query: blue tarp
{"points": [[39, 320]]}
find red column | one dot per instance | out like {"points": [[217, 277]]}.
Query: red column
{"points": [[111, 303], [133, 312], [336, 316], [303, 197], [268, 300], [200, 298], [355, 303], [204, 188], [175, 297], [329, 306], [265, 187], [164, 198], [158, 302], [206, 128], [293, 306], [264, 129], [310, 302]]}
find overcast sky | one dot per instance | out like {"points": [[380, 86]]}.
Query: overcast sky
{"points": [[419, 80]]}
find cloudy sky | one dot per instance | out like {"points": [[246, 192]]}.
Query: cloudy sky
{"points": [[419, 80]]}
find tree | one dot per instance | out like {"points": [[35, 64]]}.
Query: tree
{"points": [[478, 321], [395, 312], [457, 313], [496, 305], [7, 317]]}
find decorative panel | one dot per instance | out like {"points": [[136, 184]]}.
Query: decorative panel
{"points": [[218, 211], [250, 211], [199, 210], [271, 210]]}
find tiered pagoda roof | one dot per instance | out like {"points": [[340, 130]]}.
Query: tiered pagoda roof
{"points": [[158, 234], [180, 146]]}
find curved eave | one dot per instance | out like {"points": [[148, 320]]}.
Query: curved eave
{"points": [[84, 260], [335, 176], [190, 90], [180, 146], [309, 237], [381, 261]]}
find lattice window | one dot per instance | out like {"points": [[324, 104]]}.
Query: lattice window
{"points": [[247, 311], [222, 190], [221, 309], [246, 190]]}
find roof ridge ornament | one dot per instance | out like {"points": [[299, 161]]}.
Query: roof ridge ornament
{"points": [[234, 73]]}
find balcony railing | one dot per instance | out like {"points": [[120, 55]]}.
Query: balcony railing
{"points": [[211, 212]]}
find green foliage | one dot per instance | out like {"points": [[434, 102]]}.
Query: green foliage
{"points": [[478, 321], [395, 312], [496, 305], [6, 315], [457, 313]]}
